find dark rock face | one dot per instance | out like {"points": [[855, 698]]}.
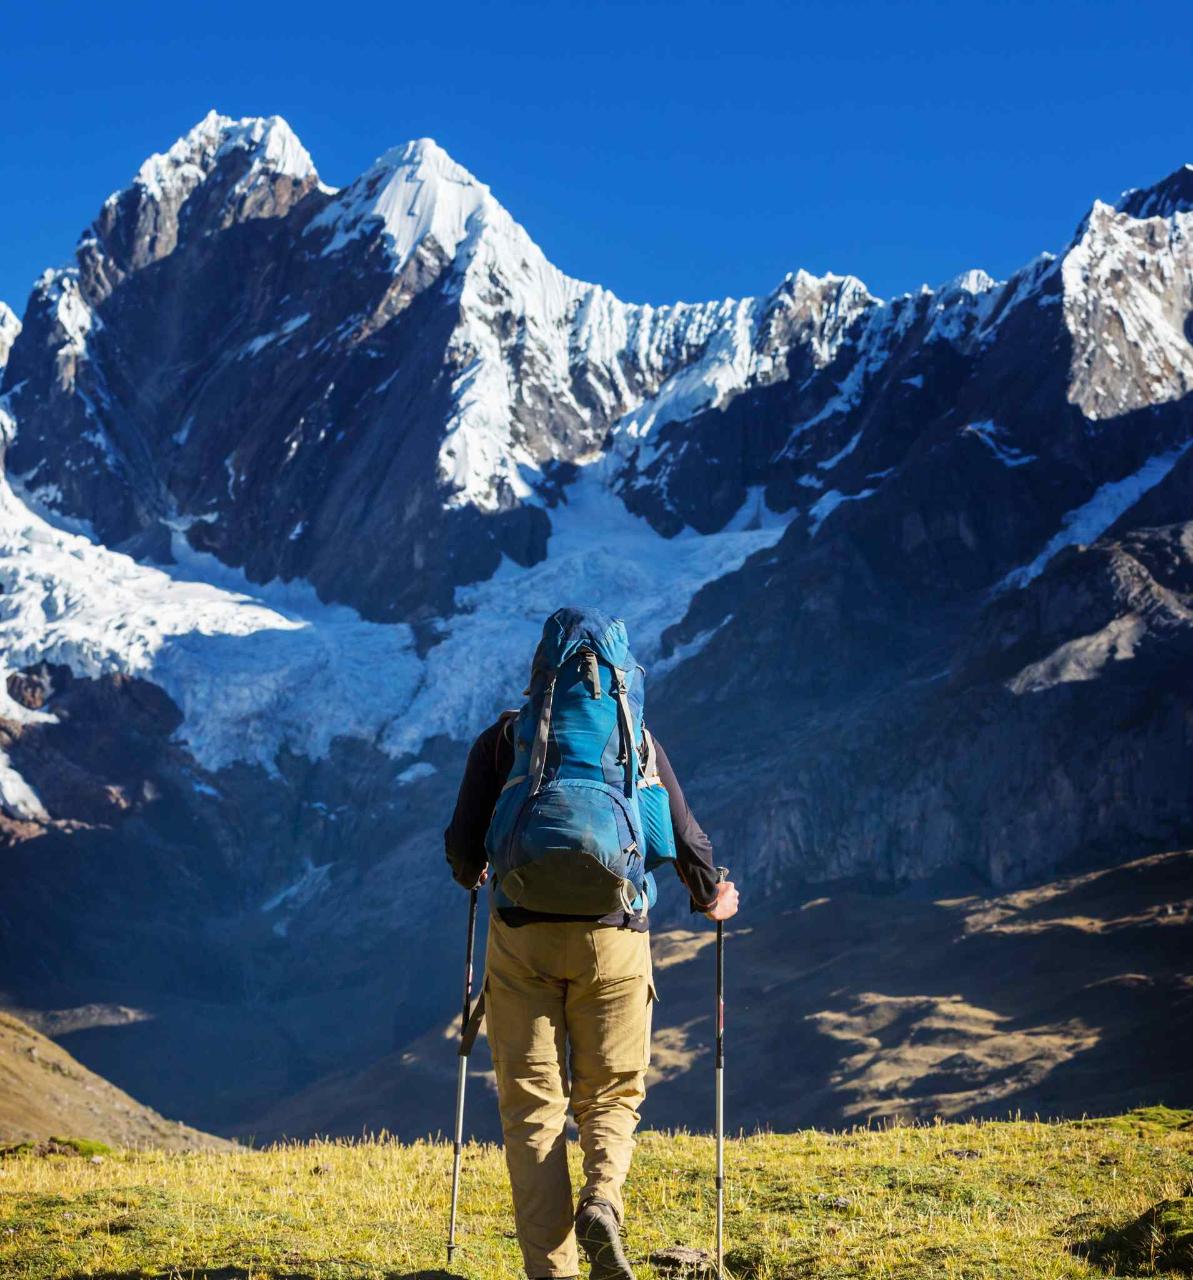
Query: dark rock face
{"points": [[1050, 723], [967, 652]]}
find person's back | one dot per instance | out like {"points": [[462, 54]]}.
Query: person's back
{"points": [[559, 811]]}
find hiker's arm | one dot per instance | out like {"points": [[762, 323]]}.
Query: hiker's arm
{"points": [[464, 839], [695, 861]]}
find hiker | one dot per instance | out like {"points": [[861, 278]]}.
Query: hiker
{"points": [[565, 809]]}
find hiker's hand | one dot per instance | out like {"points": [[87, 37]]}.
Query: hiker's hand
{"points": [[484, 875], [725, 904]]}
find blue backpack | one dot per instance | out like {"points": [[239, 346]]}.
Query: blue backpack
{"points": [[580, 821]]}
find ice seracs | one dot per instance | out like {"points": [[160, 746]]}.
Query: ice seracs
{"points": [[256, 668]]}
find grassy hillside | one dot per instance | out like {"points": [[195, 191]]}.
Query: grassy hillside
{"points": [[991, 1201], [45, 1093]]}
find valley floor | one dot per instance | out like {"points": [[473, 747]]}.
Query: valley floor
{"points": [[981, 1200]]}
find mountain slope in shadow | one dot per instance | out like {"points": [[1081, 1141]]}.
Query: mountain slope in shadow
{"points": [[44, 1092], [1067, 998]]}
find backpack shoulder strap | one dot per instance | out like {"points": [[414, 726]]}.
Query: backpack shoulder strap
{"points": [[649, 760], [504, 734], [628, 754]]}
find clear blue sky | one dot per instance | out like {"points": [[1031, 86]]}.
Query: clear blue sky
{"points": [[678, 150]]}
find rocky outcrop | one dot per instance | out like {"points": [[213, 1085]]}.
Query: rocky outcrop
{"points": [[1047, 724]]}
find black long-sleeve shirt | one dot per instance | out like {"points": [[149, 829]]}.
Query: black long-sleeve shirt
{"points": [[488, 767]]}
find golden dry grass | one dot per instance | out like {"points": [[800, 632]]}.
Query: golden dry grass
{"points": [[982, 1201]]}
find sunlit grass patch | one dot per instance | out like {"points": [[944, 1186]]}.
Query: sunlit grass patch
{"points": [[1019, 1200]]}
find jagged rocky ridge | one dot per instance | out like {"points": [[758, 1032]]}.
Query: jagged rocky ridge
{"points": [[10, 326], [297, 472]]}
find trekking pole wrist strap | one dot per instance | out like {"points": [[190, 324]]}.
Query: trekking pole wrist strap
{"points": [[472, 1026]]}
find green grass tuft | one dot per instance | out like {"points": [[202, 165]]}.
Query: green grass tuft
{"points": [[1142, 1119], [84, 1146]]}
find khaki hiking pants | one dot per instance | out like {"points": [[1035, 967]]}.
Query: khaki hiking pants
{"points": [[551, 988]]}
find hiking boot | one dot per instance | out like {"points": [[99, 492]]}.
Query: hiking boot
{"points": [[599, 1234]]}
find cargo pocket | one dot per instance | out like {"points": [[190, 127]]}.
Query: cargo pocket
{"points": [[608, 1015], [620, 954], [652, 998]]}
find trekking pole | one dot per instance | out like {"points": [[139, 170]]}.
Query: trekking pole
{"points": [[462, 1077], [722, 874]]}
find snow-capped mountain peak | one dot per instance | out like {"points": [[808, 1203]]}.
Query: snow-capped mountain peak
{"points": [[975, 281], [412, 193], [525, 328], [424, 340], [267, 143], [222, 171], [1128, 276]]}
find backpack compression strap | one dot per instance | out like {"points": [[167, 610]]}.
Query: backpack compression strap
{"points": [[592, 672], [538, 756]]}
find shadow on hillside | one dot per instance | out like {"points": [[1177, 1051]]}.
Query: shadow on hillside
{"points": [[1072, 998], [1157, 1242]]}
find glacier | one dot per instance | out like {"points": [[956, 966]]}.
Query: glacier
{"points": [[255, 668]]}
